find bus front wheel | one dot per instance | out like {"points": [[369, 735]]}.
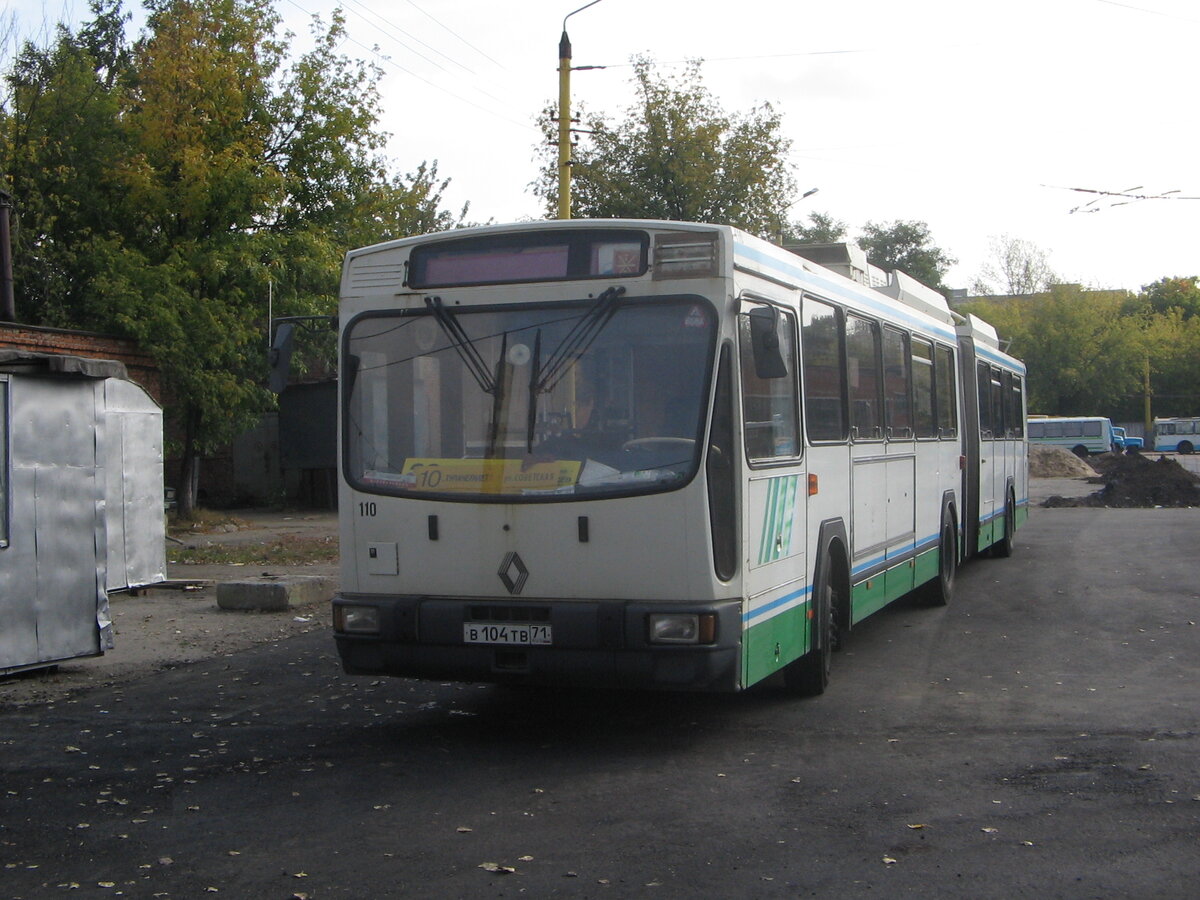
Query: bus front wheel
{"points": [[1185, 447], [808, 676]]}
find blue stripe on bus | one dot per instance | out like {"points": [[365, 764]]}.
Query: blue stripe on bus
{"points": [[800, 274], [775, 604], [778, 602]]}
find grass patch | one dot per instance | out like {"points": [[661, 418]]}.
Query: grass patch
{"points": [[289, 551]]}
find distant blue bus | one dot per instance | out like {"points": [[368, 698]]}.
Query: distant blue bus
{"points": [[1180, 435], [1082, 435]]}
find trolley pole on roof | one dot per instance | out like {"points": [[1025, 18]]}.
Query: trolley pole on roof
{"points": [[564, 116]]}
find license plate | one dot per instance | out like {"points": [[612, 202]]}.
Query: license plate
{"points": [[505, 633]]}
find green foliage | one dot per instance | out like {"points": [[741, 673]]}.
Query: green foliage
{"points": [[909, 248], [677, 155], [162, 189], [1167, 294], [822, 228], [1087, 351]]}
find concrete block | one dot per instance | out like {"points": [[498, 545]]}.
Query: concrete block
{"points": [[274, 593]]}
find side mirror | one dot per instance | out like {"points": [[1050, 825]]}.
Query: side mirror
{"points": [[279, 357], [764, 338]]}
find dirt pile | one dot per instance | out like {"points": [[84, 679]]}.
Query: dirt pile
{"points": [[1132, 480], [1055, 462]]}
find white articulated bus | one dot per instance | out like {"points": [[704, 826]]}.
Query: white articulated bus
{"points": [[653, 454]]}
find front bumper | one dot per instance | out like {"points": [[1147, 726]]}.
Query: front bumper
{"points": [[595, 643]]}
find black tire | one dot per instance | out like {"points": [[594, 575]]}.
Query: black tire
{"points": [[1080, 451], [940, 591], [808, 676], [1003, 548], [1185, 447]]}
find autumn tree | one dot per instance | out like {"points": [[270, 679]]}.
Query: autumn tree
{"points": [[677, 154], [1166, 294], [163, 188]]}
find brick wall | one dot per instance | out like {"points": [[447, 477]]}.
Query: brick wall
{"points": [[141, 367]]}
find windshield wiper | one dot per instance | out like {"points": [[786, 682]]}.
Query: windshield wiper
{"points": [[570, 349], [534, 374], [463, 346], [577, 341]]}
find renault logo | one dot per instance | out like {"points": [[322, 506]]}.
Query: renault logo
{"points": [[513, 573]]}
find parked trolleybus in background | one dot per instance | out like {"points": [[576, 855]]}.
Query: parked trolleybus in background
{"points": [[653, 454], [1179, 435], [1082, 435]]}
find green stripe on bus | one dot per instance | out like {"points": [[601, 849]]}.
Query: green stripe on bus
{"points": [[769, 646], [878, 591], [778, 516]]}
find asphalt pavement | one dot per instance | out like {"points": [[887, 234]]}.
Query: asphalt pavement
{"points": [[1037, 738]]}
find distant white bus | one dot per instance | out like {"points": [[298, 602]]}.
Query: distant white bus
{"points": [[1180, 435], [1082, 435]]}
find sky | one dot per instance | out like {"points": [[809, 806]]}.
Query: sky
{"points": [[975, 117]]}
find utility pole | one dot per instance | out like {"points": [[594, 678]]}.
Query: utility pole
{"points": [[564, 124], [1148, 420], [564, 116], [8, 309]]}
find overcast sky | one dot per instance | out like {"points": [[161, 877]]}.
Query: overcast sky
{"points": [[973, 117]]}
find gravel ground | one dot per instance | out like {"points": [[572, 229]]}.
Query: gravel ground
{"points": [[180, 623]]}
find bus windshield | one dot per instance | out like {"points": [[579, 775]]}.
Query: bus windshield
{"points": [[554, 401]]}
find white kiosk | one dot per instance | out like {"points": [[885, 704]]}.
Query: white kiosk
{"points": [[81, 503]]}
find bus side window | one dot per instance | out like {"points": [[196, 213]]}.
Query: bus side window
{"points": [[999, 413], [770, 416], [1017, 396], [924, 414], [983, 384], [897, 378], [823, 352], [947, 402], [864, 379]]}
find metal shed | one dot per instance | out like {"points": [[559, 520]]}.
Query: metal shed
{"points": [[81, 503]]}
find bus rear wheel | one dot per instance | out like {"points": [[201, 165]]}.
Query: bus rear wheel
{"points": [[1185, 447], [1003, 548], [1080, 451], [940, 591]]}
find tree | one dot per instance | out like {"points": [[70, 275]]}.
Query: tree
{"points": [[907, 247], [1084, 356], [163, 186], [1166, 294], [60, 133], [822, 228], [1016, 267], [677, 155]]}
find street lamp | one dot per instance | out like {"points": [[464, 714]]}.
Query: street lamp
{"points": [[564, 117]]}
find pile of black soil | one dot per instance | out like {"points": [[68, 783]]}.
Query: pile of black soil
{"points": [[1132, 480]]}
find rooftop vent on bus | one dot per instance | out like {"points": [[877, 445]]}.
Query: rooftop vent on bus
{"points": [[847, 259]]}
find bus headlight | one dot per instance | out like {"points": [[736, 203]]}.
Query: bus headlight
{"points": [[356, 619], [682, 628]]}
